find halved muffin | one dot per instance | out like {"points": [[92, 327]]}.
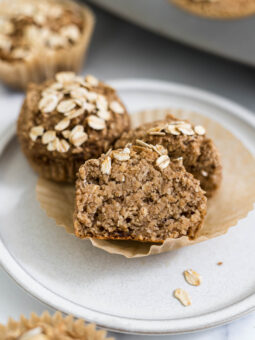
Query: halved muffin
{"points": [[137, 193], [67, 120], [182, 139]]}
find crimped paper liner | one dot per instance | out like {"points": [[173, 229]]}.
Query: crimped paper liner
{"points": [[223, 9], [79, 328], [233, 200], [45, 63]]}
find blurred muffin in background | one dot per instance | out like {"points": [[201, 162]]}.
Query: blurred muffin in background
{"points": [[219, 9], [47, 327], [40, 38]]}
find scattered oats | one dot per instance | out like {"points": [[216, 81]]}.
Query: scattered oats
{"points": [[163, 162], [156, 129], [200, 130], [56, 86], [192, 277], [160, 149], [77, 150], [91, 96], [106, 166], [101, 102], [48, 136], [74, 113], [142, 143], [32, 334], [88, 107], [56, 40], [69, 87], [104, 114], [92, 80], [52, 145], [204, 173], [20, 53], [82, 82], [6, 26], [66, 105], [152, 133], [62, 145], [5, 43], [55, 11], [65, 77], [63, 124], [78, 136], [79, 93], [182, 296], [172, 129], [35, 132], [116, 107], [71, 32], [48, 103], [66, 133], [186, 131], [121, 155], [96, 123]]}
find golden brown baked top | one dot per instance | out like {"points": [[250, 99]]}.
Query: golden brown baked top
{"points": [[137, 193], [30, 26], [47, 327], [71, 115]]}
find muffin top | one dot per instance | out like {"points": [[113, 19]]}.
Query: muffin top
{"points": [[137, 193], [71, 115], [182, 139], [29, 25]]}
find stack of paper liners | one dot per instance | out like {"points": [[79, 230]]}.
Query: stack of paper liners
{"points": [[231, 203], [45, 63], [56, 327]]}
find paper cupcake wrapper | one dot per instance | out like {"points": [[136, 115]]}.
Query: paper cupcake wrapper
{"points": [[55, 324], [46, 63], [233, 200]]}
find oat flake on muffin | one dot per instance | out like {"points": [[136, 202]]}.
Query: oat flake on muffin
{"points": [[70, 119]]}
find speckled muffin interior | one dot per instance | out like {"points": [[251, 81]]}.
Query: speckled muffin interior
{"points": [[65, 121], [182, 139], [137, 193]]}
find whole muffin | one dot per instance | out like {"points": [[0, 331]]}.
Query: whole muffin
{"points": [[220, 9], [40, 38], [67, 120], [182, 139], [137, 193]]}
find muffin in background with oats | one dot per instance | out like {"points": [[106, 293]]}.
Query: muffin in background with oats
{"points": [[40, 38], [67, 120], [50, 327]]}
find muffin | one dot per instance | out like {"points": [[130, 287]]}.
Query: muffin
{"points": [[67, 120], [47, 327], [137, 193], [40, 38], [182, 139], [221, 9]]}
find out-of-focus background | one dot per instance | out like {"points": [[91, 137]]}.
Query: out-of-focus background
{"points": [[120, 49]]}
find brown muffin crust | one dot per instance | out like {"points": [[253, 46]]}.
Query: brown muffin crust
{"points": [[220, 9], [65, 121], [29, 25], [137, 193], [181, 139]]}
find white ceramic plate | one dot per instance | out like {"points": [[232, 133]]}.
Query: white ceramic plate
{"points": [[233, 39], [128, 295]]}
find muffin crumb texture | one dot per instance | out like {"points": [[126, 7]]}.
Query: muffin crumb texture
{"points": [[137, 193], [70, 119]]}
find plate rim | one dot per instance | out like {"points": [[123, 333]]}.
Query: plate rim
{"points": [[129, 325]]}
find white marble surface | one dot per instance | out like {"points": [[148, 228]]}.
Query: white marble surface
{"points": [[121, 50]]}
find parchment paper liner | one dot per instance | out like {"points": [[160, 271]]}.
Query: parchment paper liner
{"points": [[79, 328], [45, 63], [231, 203]]}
